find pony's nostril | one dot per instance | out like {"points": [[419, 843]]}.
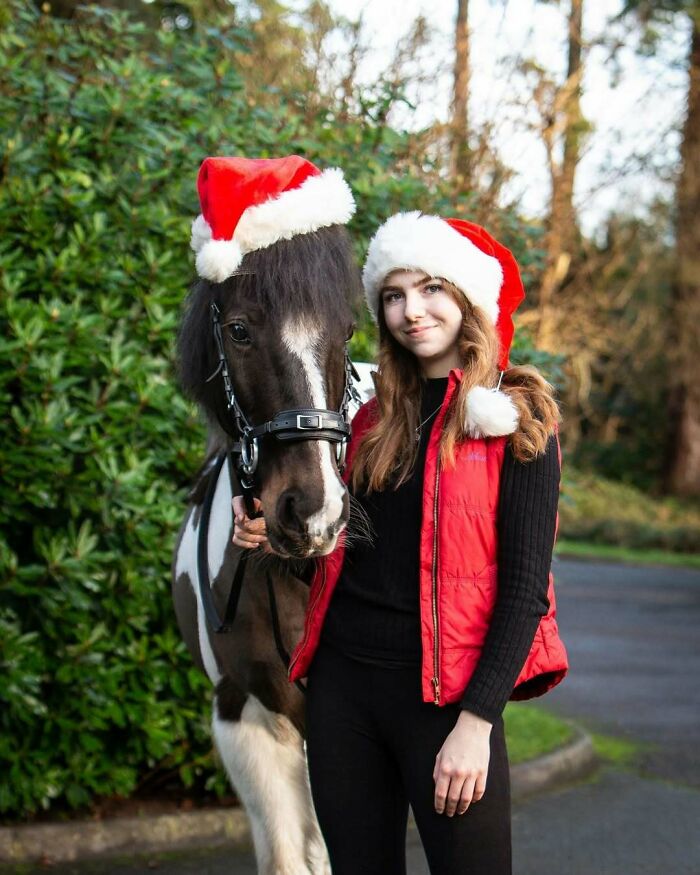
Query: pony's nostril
{"points": [[288, 511]]}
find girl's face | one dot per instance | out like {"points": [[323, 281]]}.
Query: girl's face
{"points": [[423, 317]]}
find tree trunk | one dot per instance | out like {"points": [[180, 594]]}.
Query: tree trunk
{"points": [[459, 147], [684, 355], [562, 230]]}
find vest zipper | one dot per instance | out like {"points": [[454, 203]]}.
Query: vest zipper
{"points": [[436, 668], [309, 612]]}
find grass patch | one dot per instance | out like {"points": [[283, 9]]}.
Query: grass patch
{"points": [[586, 550], [532, 732], [619, 751]]}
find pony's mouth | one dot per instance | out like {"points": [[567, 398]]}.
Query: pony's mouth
{"points": [[303, 548]]}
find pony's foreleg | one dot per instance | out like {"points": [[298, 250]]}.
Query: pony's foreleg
{"points": [[264, 757]]}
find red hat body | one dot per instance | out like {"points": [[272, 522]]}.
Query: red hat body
{"points": [[229, 186], [512, 292]]}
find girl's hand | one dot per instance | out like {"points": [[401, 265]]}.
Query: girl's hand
{"points": [[462, 764], [246, 532]]}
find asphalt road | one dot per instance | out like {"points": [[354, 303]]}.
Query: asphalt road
{"points": [[634, 647], [633, 635]]}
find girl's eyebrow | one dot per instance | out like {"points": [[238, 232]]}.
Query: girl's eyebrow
{"points": [[428, 279]]}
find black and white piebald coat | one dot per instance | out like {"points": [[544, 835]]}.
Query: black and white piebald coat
{"points": [[286, 318]]}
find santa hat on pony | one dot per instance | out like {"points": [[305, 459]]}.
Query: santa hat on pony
{"points": [[485, 272], [250, 203]]}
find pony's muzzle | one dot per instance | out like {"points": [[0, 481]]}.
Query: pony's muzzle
{"points": [[303, 524]]}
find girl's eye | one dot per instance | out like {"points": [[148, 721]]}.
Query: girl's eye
{"points": [[433, 287], [390, 297], [239, 333]]}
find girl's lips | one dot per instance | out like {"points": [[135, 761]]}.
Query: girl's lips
{"points": [[415, 332]]}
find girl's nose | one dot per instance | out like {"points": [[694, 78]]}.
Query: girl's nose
{"points": [[414, 308]]}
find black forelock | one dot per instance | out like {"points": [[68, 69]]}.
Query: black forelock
{"points": [[312, 275], [309, 274]]}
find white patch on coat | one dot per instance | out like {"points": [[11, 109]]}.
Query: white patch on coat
{"points": [[186, 563], [302, 341], [220, 522], [264, 759]]}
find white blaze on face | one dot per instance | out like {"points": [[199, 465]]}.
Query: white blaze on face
{"points": [[303, 341]]}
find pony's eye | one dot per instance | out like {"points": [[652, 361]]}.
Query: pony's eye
{"points": [[239, 333]]}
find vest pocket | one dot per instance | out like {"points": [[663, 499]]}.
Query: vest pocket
{"points": [[466, 606]]}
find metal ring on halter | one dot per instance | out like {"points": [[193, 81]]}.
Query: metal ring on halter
{"points": [[340, 451], [249, 454]]}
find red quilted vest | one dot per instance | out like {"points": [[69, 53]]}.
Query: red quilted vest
{"points": [[458, 571]]}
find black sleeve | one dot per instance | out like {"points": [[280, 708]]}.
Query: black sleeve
{"points": [[527, 510]]}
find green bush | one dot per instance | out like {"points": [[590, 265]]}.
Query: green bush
{"points": [[100, 152], [103, 125]]}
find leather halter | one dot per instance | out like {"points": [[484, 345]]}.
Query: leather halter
{"points": [[307, 423]]}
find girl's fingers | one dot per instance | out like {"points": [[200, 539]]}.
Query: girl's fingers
{"points": [[254, 527], [442, 787], [246, 541], [246, 532], [455, 795], [466, 796], [479, 787]]}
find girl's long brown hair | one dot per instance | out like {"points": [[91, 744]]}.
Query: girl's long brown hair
{"points": [[387, 452]]}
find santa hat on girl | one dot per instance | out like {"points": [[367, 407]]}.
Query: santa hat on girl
{"points": [[485, 271], [251, 203]]}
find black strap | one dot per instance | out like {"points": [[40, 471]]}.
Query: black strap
{"points": [[304, 423], [215, 622], [242, 486]]}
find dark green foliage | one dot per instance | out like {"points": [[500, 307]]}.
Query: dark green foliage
{"points": [[97, 443], [103, 126]]}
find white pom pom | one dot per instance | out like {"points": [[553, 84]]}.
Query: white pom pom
{"points": [[490, 413], [219, 259], [200, 233]]}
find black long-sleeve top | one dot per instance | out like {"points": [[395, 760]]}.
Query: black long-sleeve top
{"points": [[374, 615]]}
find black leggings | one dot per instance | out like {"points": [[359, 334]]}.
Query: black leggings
{"points": [[371, 747]]}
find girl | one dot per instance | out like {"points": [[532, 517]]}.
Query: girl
{"points": [[415, 641]]}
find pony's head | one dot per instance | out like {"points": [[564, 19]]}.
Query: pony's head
{"points": [[286, 316]]}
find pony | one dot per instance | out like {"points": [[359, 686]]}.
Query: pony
{"points": [[285, 319]]}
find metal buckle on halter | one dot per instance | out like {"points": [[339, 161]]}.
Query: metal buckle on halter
{"points": [[340, 451], [305, 422], [249, 453]]}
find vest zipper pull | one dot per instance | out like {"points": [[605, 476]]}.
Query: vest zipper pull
{"points": [[436, 684]]}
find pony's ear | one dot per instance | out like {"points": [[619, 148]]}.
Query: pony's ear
{"points": [[195, 344]]}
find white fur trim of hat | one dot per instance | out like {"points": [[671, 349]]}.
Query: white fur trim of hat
{"points": [[415, 241]]}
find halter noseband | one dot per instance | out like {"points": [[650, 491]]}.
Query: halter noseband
{"points": [[308, 423]]}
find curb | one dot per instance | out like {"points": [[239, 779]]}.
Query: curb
{"points": [[572, 762], [89, 839]]}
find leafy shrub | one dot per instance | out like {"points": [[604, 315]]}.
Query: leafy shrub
{"points": [[606, 512]]}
